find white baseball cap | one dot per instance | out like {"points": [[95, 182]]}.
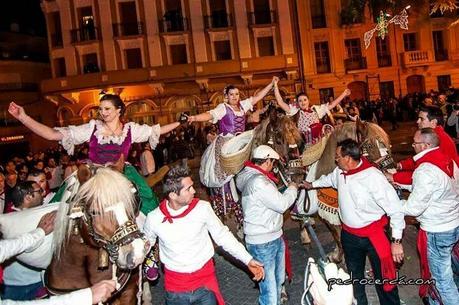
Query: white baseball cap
{"points": [[265, 152]]}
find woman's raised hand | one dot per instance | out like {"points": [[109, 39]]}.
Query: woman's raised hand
{"points": [[347, 92], [16, 111], [275, 81]]}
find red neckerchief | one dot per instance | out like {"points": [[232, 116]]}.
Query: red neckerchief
{"points": [[437, 158], [365, 164], [169, 217], [268, 175], [309, 110]]}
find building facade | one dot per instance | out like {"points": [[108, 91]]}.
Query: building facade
{"points": [[425, 57], [165, 56], [168, 56], [23, 65]]}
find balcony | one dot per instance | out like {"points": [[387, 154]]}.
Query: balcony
{"points": [[319, 22], [356, 63], [218, 20], [170, 24], [262, 17], [384, 60], [128, 29], [84, 34], [441, 55], [417, 58]]}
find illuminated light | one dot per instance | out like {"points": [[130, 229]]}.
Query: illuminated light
{"points": [[383, 23], [11, 138]]}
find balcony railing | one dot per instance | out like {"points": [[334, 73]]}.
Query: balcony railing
{"points": [[84, 34], [217, 20], [173, 24], [319, 22], [441, 55], [262, 17], [128, 29], [384, 60], [56, 40], [417, 58], [357, 63]]}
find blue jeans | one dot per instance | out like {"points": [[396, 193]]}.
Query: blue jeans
{"points": [[439, 248], [201, 296], [272, 256], [21, 293]]}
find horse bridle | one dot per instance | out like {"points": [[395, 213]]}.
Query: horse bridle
{"points": [[123, 235]]}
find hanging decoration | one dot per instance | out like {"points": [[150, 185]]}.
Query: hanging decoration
{"points": [[443, 6], [383, 23]]}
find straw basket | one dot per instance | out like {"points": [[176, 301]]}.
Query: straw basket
{"points": [[235, 152], [314, 152]]}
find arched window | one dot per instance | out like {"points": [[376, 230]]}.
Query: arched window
{"points": [[140, 112]]}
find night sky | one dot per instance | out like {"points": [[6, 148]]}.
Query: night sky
{"points": [[27, 13]]}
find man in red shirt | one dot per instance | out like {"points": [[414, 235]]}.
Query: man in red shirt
{"points": [[428, 117]]}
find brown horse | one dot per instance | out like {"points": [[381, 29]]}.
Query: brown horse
{"points": [[96, 231]]}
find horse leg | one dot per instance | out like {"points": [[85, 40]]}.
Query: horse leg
{"points": [[337, 255]]}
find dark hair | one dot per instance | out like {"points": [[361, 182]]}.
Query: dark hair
{"points": [[20, 191], [116, 101], [429, 136], [258, 161], [228, 88], [36, 172], [173, 180], [350, 147], [433, 113], [300, 94]]}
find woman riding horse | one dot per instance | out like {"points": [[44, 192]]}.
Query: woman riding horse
{"points": [[307, 117], [231, 118], [109, 138]]}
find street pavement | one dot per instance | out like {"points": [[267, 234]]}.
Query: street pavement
{"points": [[238, 288]]}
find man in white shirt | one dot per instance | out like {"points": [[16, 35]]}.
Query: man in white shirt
{"points": [[365, 197], [182, 225], [99, 292], [263, 207], [434, 201], [147, 162]]}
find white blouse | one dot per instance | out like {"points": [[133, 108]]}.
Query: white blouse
{"points": [[74, 135], [220, 111]]}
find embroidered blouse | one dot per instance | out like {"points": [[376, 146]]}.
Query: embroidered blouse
{"points": [[132, 133]]}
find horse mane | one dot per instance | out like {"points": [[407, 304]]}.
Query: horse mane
{"points": [[260, 133], [289, 130], [105, 189], [359, 131]]}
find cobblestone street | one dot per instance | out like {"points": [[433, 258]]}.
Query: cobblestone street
{"points": [[237, 286]]}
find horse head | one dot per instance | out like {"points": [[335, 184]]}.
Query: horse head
{"points": [[103, 212], [280, 132], [371, 137]]}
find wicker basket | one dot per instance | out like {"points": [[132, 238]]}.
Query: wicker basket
{"points": [[235, 152], [314, 152]]}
